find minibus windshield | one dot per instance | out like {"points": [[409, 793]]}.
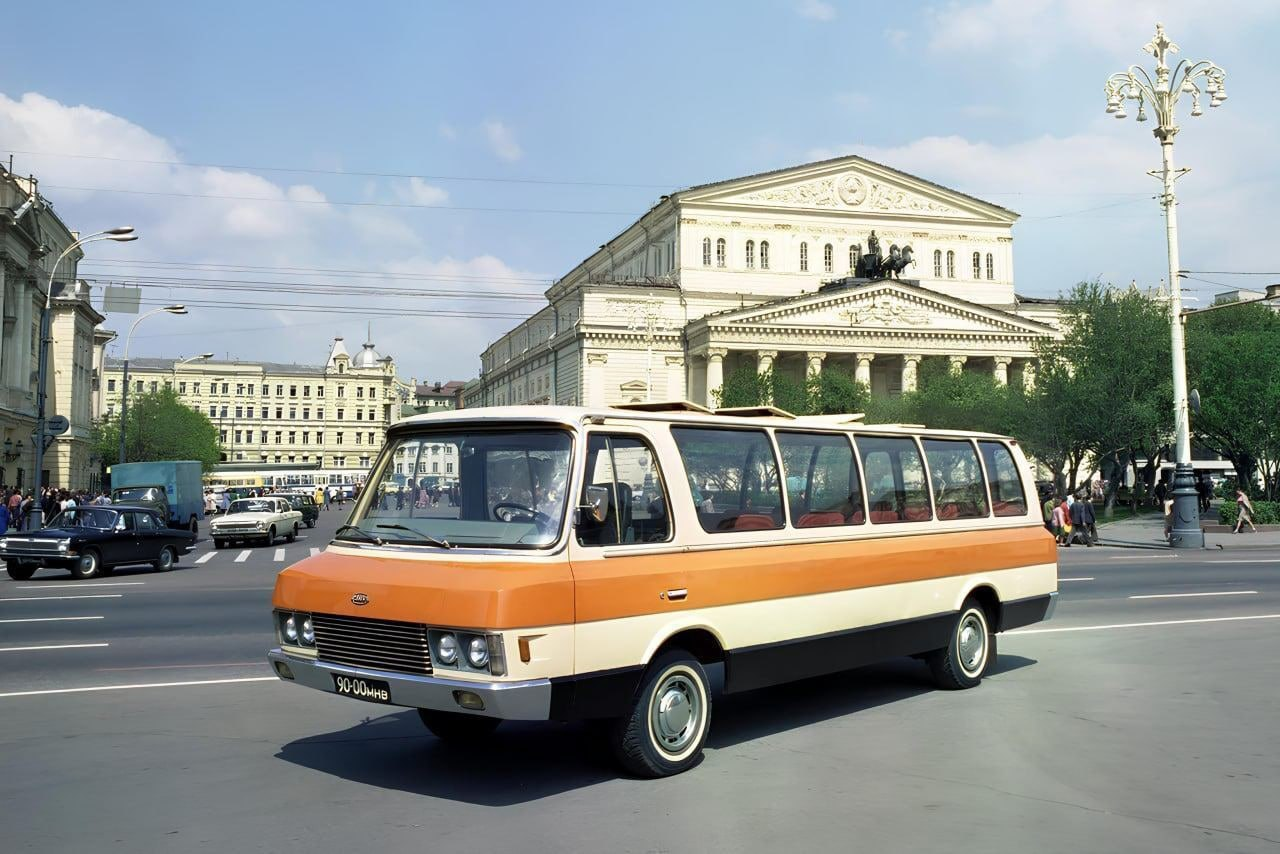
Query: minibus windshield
{"points": [[466, 488]]}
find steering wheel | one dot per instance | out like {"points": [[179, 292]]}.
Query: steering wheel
{"points": [[515, 509]]}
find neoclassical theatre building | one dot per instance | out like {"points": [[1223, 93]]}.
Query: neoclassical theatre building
{"points": [[759, 272]]}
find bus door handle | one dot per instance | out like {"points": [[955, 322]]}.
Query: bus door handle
{"points": [[676, 594]]}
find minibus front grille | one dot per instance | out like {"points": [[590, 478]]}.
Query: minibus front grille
{"points": [[376, 644]]}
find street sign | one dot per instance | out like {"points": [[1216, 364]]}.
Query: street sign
{"points": [[56, 425]]}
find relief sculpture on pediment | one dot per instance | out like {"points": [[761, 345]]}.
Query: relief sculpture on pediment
{"points": [[849, 190], [885, 310]]}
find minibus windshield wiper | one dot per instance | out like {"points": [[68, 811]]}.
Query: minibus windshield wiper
{"points": [[426, 538], [361, 531]]}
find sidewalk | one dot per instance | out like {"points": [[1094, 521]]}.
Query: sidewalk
{"points": [[1147, 532]]}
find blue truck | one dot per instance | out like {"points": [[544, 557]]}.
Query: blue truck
{"points": [[173, 487]]}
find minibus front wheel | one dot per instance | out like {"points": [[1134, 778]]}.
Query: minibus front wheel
{"points": [[667, 725]]}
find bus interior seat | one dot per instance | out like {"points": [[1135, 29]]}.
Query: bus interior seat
{"points": [[820, 519]]}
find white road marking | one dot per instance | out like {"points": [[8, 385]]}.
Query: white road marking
{"points": [[1251, 560], [145, 685], [178, 666], [1142, 557], [279, 555], [1141, 625], [243, 556], [1082, 578], [314, 551], [1191, 595], [52, 646], [49, 619], [81, 585], [44, 598], [206, 557]]}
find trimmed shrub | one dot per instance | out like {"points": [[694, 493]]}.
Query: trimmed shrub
{"points": [[1264, 513]]}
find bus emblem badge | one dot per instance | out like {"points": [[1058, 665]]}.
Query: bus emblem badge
{"points": [[360, 599]]}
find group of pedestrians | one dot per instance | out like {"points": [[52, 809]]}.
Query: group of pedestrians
{"points": [[1071, 520], [16, 505]]}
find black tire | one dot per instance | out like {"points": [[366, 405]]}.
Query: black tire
{"points": [[219, 544], [311, 523], [457, 727], [969, 652], [649, 742], [166, 561], [21, 571], [88, 566], [194, 526], [271, 536], [292, 535]]}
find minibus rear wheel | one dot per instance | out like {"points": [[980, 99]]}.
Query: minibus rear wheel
{"points": [[455, 726], [665, 730], [969, 652]]}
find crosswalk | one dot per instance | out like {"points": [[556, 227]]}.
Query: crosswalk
{"points": [[279, 555]]}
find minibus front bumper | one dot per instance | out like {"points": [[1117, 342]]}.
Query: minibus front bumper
{"points": [[527, 700]]}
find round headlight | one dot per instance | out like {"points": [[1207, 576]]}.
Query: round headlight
{"points": [[478, 652], [290, 629], [308, 632], [261, 525], [447, 649]]}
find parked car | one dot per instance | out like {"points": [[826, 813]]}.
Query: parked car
{"points": [[172, 487], [94, 539], [256, 519], [304, 504]]}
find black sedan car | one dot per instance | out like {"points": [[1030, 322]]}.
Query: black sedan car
{"points": [[93, 540]]}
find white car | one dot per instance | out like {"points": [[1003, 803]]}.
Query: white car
{"points": [[262, 519]]}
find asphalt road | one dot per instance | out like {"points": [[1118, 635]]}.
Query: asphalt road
{"points": [[1141, 718]]}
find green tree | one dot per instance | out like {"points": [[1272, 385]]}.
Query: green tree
{"points": [[1233, 360], [161, 427]]}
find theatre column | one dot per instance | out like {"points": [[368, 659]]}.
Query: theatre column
{"points": [[862, 373], [1029, 375], [715, 374], [764, 364], [675, 378], [957, 363], [814, 360], [910, 371], [1002, 369]]}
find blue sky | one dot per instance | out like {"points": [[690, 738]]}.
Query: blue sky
{"points": [[1001, 99]]}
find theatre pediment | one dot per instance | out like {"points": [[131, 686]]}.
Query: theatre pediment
{"points": [[886, 305], [848, 185]]}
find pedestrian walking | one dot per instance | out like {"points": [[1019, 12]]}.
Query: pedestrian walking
{"points": [[328, 498], [1081, 517], [4, 518], [1062, 524], [1049, 504], [1245, 512]]}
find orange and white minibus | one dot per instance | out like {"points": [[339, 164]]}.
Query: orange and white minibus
{"points": [[595, 563]]}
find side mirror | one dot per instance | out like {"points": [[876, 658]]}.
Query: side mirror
{"points": [[597, 506]]}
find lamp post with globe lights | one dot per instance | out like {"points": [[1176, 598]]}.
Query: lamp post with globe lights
{"points": [[1162, 95], [121, 234]]}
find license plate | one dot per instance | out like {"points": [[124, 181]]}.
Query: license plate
{"points": [[372, 690]]}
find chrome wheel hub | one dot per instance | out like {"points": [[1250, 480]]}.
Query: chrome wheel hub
{"points": [[675, 712], [972, 643]]}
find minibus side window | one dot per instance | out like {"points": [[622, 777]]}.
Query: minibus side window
{"points": [[733, 477], [635, 502], [1007, 495], [958, 488], [822, 482], [896, 489]]}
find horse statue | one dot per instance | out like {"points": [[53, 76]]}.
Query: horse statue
{"points": [[898, 260]]}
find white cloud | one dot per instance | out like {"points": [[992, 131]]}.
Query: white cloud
{"points": [[297, 227], [1038, 31], [419, 192], [502, 141], [447, 131], [816, 10]]}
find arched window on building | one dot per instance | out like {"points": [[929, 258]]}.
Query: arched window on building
{"points": [[828, 258], [977, 265], [991, 266], [804, 257], [855, 252], [937, 263], [764, 254], [951, 264], [751, 254], [720, 252], [706, 251]]}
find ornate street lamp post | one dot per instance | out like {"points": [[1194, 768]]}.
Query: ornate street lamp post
{"points": [[1162, 95]]}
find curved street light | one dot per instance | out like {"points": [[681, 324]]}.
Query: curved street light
{"points": [[1162, 94], [124, 390], [120, 234]]}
